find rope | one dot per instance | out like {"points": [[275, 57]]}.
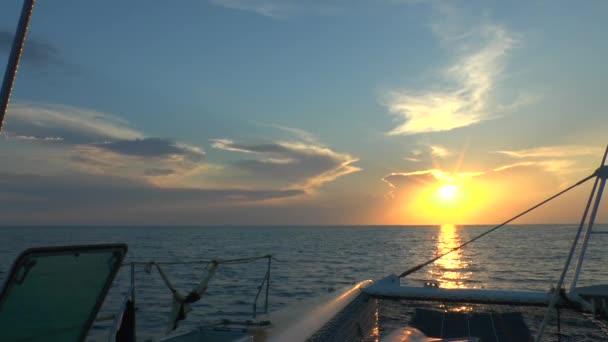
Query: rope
{"points": [[181, 304], [420, 266], [200, 262], [165, 279]]}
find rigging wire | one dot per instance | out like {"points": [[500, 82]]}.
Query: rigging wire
{"points": [[201, 261], [597, 195], [420, 266]]}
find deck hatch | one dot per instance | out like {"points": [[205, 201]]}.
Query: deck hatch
{"points": [[54, 293]]}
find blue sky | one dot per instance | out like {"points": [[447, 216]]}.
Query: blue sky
{"points": [[301, 112]]}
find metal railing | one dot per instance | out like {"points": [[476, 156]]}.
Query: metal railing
{"points": [[130, 294]]}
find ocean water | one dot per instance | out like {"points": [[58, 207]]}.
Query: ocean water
{"points": [[311, 261]]}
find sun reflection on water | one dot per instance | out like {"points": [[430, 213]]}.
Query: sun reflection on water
{"points": [[451, 270]]}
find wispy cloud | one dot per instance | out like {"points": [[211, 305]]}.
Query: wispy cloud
{"points": [[397, 179], [268, 8], [510, 166], [69, 124], [439, 151], [464, 97], [558, 166], [285, 8], [154, 147], [427, 153], [159, 166], [158, 172], [560, 162], [299, 165], [553, 165], [87, 143], [87, 163], [63, 138], [33, 138], [82, 198], [401, 181], [560, 159], [230, 145], [553, 151], [300, 134], [280, 9]]}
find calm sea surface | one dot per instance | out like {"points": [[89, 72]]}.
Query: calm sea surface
{"points": [[313, 261]]}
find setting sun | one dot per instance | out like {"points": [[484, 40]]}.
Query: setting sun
{"points": [[445, 197], [448, 191]]}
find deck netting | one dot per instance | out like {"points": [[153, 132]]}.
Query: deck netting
{"points": [[370, 319]]}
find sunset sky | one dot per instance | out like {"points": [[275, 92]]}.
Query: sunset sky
{"points": [[303, 112]]}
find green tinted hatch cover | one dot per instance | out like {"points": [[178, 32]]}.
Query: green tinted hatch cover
{"points": [[54, 293]]}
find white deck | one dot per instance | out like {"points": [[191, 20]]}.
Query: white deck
{"points": [[390, 287]]}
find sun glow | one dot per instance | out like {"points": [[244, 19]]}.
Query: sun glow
{"points": [[440, 196], [448, 191]]}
